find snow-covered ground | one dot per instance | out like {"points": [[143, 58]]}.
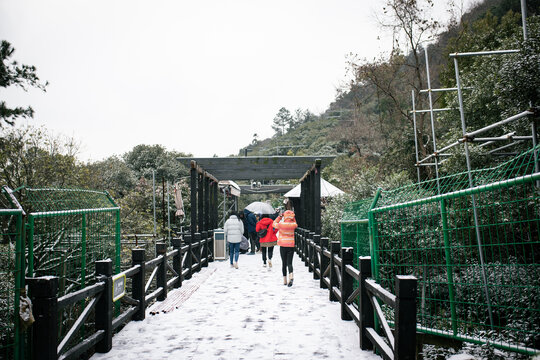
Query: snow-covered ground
{"points": [[244, 313]]}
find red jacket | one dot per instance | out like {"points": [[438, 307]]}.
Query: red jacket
{"points": [[266, 223]]}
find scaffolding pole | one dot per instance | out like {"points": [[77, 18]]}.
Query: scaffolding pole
{"points": [[432, 118], [415, 135], [473, 197]]}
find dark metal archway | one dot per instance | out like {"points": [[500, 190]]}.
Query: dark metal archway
{"points": [[205, 173]]}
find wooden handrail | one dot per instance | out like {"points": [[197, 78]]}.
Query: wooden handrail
{"points": [[333, 265]]}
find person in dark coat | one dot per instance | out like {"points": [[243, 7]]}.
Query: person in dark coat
{"points": [[242, 216], [251, 221]]}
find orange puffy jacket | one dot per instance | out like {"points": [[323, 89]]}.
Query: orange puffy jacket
{"points": [[286, 231]]}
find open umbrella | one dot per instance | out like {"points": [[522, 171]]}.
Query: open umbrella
{"points": [[259, 207]]}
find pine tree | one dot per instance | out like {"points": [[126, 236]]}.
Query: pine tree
{"points": [[12, 73]]}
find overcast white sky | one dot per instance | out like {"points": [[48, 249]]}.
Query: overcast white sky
{"points": [[194, 76]]}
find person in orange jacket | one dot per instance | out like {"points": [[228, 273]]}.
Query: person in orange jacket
{"points": [[269, 240], [286, 224]]}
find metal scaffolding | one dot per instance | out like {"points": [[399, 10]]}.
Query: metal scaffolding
{"points": [[471, 137]]}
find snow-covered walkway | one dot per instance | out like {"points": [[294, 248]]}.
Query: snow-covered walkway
{"points": [[244, 313]]}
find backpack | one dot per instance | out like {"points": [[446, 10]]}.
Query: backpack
{"points": [[262, 233]]}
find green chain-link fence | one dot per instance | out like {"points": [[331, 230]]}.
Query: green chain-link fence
{"points": [[475, 252], [11, 216], [66, 231], [354, 228]]}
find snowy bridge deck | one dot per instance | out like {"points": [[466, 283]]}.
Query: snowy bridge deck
{"points": [[245, 313]]}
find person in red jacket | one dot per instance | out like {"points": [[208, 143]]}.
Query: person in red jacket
{"points": [[269, 240], [286, 243]]}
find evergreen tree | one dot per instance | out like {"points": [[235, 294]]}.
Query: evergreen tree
{"points": [[23, 76], [282, 120]]}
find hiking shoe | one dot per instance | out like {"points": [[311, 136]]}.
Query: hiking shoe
{"points": [[290, 283], [264, 265], [270, 263]]}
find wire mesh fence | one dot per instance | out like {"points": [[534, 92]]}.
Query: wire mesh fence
{"points": [[63, 233], [354, 228], [475, 252], [10, 276], [69, 230]]}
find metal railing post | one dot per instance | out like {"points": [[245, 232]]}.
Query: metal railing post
{"points": [[177, 260], [211, 245], [161, 249], [324, 261], [44, 293], [346, 281], [198, 252], [310, 249], [104, 306], [405, 318], [189, 256], [316, 263], [205, 251], [365, 307], [138, 257], [335, 248]]}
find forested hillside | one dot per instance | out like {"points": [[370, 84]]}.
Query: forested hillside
{"points": [[369, 124]]}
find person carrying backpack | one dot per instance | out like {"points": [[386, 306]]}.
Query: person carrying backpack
{"points": [[267, 238]]}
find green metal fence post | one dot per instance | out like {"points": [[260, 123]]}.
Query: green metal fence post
{"points": [[117, 242], [31, 246], [83, 251], [449, 268], [373, 243], [19, 281]]}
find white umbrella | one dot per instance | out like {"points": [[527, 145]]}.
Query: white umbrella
{"points": [[259, 207]]}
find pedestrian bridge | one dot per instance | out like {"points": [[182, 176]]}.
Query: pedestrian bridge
{"points": [[245, 313], [444, 272]]}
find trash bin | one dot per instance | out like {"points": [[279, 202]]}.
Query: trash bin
{"points": [[220, 245]]}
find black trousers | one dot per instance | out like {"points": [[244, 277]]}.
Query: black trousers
{"points": [[270, 253], [254, 240], [286, 259]]}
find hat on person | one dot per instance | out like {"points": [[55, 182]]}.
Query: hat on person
{"points": [[288, 215]]}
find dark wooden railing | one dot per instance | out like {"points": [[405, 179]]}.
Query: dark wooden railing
{"points": [[333, 266], [48, 307]]}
